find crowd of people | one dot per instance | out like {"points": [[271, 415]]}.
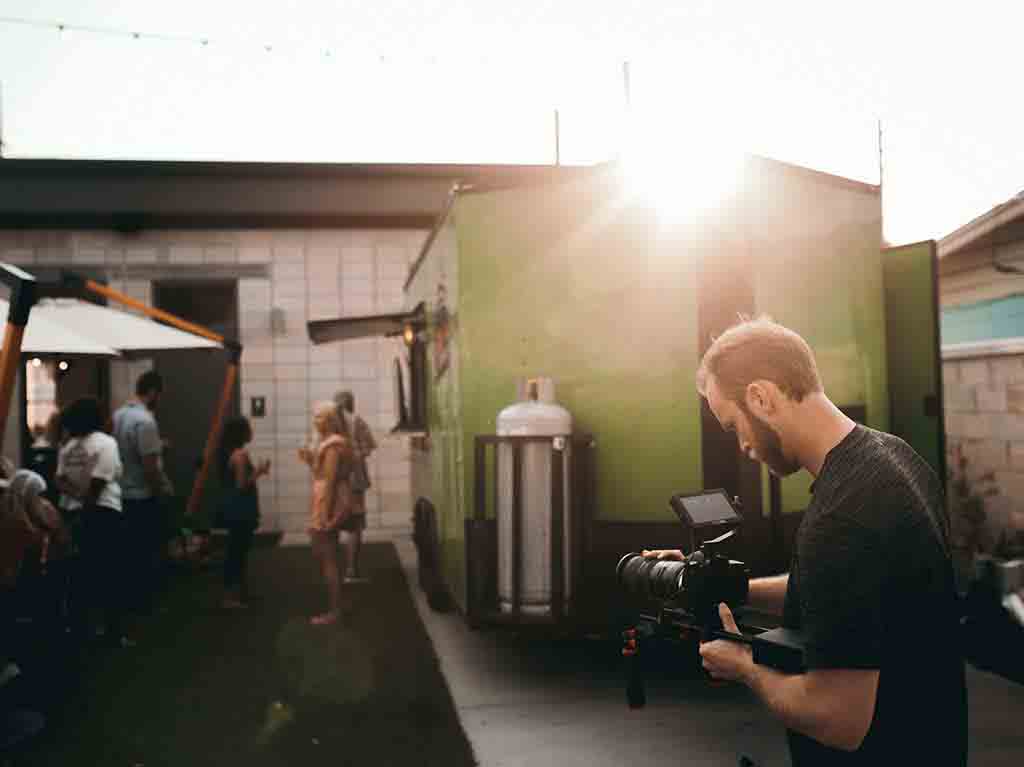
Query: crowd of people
{"points": [[83, 541]]}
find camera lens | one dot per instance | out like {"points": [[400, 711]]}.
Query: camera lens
{"points": [[660, 579]]}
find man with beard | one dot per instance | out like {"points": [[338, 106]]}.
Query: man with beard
{"points": [[870, 584]]}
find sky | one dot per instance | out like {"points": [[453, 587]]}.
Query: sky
{"points": [[459, 81]]}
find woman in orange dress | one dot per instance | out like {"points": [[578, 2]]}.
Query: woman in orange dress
{"points": [[331, 502]]}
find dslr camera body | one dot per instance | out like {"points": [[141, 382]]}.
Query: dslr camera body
{"points": [[705, 577], [687, 593]]}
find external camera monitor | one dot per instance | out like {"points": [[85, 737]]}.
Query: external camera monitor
{"points": [[712, 508]]}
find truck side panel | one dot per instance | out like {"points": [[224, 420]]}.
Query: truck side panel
{"points": [[437, 459], [820, 273], [581, 283], [562, 281]]}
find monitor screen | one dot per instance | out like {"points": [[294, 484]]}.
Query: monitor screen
{"points": [[711, 508]]}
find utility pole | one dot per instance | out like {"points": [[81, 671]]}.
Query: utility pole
{"points": [[881, 177], [625, 84], [626, 128], [881, 166], [558, 140]]}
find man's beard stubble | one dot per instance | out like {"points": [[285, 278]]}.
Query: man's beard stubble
{"points": [[768, 447]]}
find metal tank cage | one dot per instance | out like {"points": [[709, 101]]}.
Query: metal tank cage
{"points": [[481, 543]]}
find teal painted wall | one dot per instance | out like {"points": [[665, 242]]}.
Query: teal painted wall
{"points": [[985, 321]]}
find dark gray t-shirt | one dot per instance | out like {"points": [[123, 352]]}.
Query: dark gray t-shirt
{"points": [[871, 587]]}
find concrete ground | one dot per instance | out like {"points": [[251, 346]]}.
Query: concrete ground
{"points": [[531, 702]]}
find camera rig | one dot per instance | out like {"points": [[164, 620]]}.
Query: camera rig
{"points": [[687, 593]]}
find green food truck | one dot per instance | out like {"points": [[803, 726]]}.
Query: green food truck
{"points": [[553, 330]]}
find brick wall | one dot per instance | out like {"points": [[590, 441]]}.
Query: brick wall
{"points": [[308, 275], [984, 409]]}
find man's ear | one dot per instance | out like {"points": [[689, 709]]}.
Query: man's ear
{"points": [[759, 398]]}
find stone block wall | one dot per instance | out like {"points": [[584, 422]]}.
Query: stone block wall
{"points": [[984, 410]]}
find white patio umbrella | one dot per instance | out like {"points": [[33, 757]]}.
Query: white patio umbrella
{"points": [[122, 332], [70, 326], [44, 335]]}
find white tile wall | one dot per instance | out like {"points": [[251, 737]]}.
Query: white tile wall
{"points": [[320, 274], [186, 254]]}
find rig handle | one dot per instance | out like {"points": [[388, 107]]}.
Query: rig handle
{"points": [[636, 694]]}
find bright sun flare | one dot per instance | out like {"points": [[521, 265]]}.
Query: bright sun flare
{"points": [[680, 173]]}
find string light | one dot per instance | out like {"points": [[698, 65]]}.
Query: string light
{"points": [[134, 34], [329, 52], [63, 27]]}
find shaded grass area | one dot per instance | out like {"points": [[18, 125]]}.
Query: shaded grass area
{"points": [[263, 687]]}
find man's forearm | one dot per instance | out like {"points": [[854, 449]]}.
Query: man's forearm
{"points": [[768, 594], [835, 711], [786, 697]]}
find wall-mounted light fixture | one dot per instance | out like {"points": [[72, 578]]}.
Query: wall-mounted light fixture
{"points": [[409, 334]]}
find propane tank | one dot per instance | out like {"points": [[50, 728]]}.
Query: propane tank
{"points": [[536, 414]]}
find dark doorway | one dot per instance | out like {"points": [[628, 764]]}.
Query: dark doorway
{"points": [[50, 382], [193, 379]]}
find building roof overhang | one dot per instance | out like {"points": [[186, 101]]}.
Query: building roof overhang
{"points": [[1002, 225]]}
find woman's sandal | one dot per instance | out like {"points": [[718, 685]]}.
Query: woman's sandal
{"points": [[324, 619]]}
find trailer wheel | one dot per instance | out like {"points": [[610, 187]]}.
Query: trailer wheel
{"points": [[424, 526]]}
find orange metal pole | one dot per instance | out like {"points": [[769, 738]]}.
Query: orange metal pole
{"points": [[13, 335], [213, 439], [23, 296], [158, 314]]}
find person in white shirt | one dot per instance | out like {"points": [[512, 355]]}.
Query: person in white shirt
{"points": [[88, 473]]}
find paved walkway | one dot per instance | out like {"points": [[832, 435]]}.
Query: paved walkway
{"points": [[540, 703], [545, 703]]}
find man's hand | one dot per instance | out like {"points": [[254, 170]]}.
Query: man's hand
{"points": [[724, 659], [674, 554]]}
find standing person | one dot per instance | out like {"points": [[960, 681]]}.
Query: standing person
{"points": [[871, 568], [331, 501], [143, 485], [363, 444], [88, 470], [241, 507]]}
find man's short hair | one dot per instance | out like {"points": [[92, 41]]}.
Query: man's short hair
{"points": [[149, 382], [759, 350], [345, 400]]}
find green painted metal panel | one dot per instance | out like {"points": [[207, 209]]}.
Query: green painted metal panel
{"points": [[438, 474], [914, 363], [577, 282], [819, 272], [567, 281]]}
